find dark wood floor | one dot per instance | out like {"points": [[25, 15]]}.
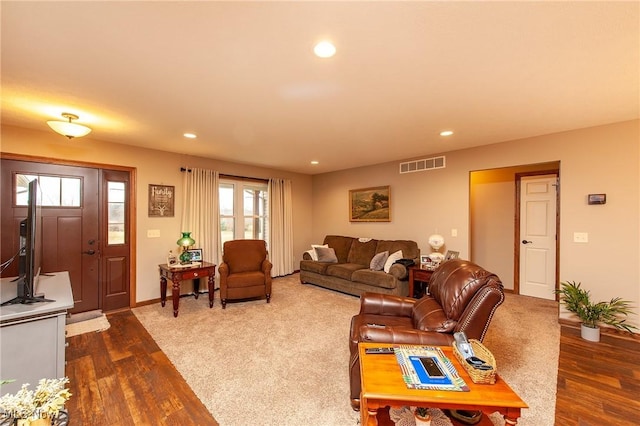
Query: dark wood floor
{"points": [[121, 377], [598, 383]]}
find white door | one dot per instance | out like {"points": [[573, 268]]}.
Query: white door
{"points": [[538, 236]]}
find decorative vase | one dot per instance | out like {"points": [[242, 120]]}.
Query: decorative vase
{"points": [[589, 333]]}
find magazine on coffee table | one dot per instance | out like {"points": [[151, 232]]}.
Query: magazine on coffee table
{"points": [[427, 367]]}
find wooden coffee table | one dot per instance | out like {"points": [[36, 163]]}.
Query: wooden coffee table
{"points": [[382, 386]]}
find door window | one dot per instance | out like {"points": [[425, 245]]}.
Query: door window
{"points": [[57, 191]]}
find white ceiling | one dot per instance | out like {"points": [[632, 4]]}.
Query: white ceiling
{"points": [[243, 77]]}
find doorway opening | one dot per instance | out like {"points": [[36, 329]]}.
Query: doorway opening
{"points": [[496, 217]]}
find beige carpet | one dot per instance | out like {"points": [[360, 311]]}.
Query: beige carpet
{"points": [[285, 361]]}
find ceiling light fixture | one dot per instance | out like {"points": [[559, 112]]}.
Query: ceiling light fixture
{"points": [[69, 129], [189, 135], [315, 162], [324, 49], [446, 133]]}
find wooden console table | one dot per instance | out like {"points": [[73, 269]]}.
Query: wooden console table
{"points": [[382, 385], [181, 273]]}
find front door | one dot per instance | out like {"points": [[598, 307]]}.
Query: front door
{"points": [[537, 236], [75, 230]]}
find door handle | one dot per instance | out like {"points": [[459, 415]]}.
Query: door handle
{"points": [[91, 252], [527, 242]]}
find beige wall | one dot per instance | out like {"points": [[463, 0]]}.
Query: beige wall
{"points": [[155, 167], [602, 159]]}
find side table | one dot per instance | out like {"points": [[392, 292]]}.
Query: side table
{"points": [[181, 273], [418, 273]]}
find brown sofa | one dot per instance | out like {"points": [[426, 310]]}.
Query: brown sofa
{"points": [[462, 297], [351, 272]]}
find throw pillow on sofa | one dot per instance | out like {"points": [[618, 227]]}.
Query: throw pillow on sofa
{"points": [[378, 261], [392, 259], [312, 252], [326, 254]]}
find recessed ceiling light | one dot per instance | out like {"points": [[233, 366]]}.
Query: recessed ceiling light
{"points": [[314, 162], [190, 135], [446, 133], [324, 49]]}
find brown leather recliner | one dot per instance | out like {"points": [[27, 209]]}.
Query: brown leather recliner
{"points": [[462, 297], [245, 272]]}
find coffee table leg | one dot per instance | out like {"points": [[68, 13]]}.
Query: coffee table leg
{"points": [[511, 416], [175, 295], [510, 420], [163, 291], [196, 287], [368, 415], [211, 281]]}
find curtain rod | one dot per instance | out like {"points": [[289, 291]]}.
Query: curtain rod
{"points": [[223, 176]]}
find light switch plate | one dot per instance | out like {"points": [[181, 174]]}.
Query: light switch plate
{"points": [[580, 237], [153, 233]]}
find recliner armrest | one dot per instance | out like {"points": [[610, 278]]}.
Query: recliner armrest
{"points": [[223, 269], [402, 335], [386, 304], [266, 267]]}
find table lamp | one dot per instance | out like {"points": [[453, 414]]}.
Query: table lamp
{"points": [[185, 242], [436, 241]]}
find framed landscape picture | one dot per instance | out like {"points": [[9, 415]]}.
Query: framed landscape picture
{"points": [[370, 204]]}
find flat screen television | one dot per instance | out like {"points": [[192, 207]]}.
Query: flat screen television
{"points": [[30, 250]]}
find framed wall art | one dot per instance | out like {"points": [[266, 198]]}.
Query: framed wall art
{"points": [[370, 204], [162, 200]]}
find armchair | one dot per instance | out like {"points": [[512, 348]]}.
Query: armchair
{"points": [[245, 271], [462, 297]]}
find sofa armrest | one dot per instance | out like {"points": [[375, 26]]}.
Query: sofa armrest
{"points": [[386, 304], [399, 271], [403, 335]]}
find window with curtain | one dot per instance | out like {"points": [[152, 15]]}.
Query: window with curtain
{"points": [[244, 210]]}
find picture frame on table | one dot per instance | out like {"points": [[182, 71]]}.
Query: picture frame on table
{"points": [[425, 259], [451, 255], [196, 255]]}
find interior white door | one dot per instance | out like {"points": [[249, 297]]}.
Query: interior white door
{"points": [[538, 236]]}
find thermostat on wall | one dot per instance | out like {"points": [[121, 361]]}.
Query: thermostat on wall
{"points": [[597, 198]]}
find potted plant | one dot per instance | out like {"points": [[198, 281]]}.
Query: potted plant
{"points": [[613, 313], [39, 407], [423, 418]]}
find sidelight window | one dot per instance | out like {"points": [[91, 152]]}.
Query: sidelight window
{"points": [[116, 212]]}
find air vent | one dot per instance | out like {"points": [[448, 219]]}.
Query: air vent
{"points": [[422, 165]]}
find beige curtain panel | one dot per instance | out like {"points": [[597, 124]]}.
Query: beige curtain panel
{"points": [[201, 212], [281, 227]]}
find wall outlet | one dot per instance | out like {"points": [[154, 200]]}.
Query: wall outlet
{"points": [[580, 237], [454, 232], [153, 233]]}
